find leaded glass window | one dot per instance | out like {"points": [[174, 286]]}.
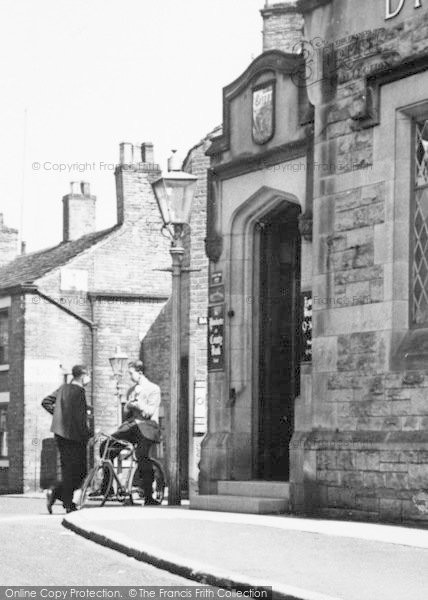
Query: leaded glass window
{"points": [[4, 337], [420, 228]]}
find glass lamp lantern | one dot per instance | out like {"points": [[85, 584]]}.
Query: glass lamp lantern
{"points": [[118, 363], [174, 194]]}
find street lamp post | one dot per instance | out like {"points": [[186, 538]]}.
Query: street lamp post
{"points": [[119, 362], [174, 194]]}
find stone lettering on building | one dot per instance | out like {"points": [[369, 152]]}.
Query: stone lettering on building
{"points": [[394, 7]]}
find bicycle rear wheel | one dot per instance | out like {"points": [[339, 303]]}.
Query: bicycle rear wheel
{"points": [[96, 486]]}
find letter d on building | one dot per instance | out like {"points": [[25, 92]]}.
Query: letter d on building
{"points": [[390, 12]]}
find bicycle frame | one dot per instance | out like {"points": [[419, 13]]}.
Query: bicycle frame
{"points": [[121, 488], [105, 461]]}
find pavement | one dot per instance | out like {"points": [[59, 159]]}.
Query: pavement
{"points": [[35, 550], [301, 559]]}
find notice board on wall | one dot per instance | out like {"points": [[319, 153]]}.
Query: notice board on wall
{"points": [[216, 337], [306, 312]]}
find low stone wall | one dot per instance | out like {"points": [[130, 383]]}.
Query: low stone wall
{"points": [[378, 471]]}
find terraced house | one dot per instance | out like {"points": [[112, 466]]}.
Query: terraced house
{"points": [[318, 223], [73, 304]]}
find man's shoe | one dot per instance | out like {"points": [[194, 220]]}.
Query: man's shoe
{"points": [[151, 502], [71, 508], [50, 500]]}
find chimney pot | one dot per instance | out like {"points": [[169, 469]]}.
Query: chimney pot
{"points": [[86, 188], [174, 163], [126, 153], [147, 154], [75, 189]]}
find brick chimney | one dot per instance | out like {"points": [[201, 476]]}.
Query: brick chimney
{"points": [[134, 176], [78, 211], [282, 26], [8, 243]]}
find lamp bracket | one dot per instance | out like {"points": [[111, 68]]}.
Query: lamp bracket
{"points": [[183, 269]]}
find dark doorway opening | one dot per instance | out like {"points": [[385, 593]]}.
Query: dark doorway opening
{"points": [[279, 339]]}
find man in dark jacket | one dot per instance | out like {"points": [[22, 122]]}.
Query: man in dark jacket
{"points": [[69, 424]]}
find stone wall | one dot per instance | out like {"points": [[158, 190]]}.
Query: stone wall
{"points": [[15, 416], [366, 456], [282, 27]]}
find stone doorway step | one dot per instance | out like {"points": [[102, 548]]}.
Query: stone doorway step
{"points": [[256, 497]]}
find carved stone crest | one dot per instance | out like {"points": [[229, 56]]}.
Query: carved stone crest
{"points": [[263, 112]]}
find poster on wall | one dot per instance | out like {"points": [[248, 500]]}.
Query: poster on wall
{"points": [[216, 294], [200, 408], [263, 113], [306, 299], [216, 337]]}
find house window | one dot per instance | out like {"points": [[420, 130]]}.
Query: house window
{"points": [[3, 431], [419, 312], [4, 337]]}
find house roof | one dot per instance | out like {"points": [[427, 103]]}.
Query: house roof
{"points": [[30, 267]]}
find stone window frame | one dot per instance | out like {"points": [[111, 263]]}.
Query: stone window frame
{"points": [[415, 188], [402, 101]]}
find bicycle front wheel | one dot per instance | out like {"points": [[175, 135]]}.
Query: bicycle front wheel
{"points": [[96, 487]]}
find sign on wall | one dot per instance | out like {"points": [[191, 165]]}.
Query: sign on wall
{"points": [[216, 294], [74, 280], [306, 299], [263, 112], [216, 337], [200, 408], [216, 278]]}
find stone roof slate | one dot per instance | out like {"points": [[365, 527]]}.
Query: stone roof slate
{"points": [[27, 268]]}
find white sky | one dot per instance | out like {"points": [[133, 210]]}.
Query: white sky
{"points": [[94, 73]]}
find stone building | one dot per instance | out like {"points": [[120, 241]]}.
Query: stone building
{"points": [[75, 303], [317, 221]]}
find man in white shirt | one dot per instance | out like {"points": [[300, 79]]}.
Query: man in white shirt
{"points": [[140, 426]]}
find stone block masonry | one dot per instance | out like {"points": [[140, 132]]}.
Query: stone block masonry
{"points": [[366, 457]]}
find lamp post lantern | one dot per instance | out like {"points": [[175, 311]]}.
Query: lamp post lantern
{"points": [[174, 194], [118, 363]]}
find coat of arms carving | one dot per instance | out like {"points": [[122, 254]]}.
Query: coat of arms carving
{"points": [[263, 112]]}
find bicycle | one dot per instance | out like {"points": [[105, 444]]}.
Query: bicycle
{"points": [[105, 481]]}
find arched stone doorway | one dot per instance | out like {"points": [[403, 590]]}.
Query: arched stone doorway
{"points": [[264, 341], [278, 292]]}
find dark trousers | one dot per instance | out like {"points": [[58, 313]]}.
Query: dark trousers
{"points": [[72, 456], [130, 432]]}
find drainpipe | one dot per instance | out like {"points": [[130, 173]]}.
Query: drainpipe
{"points": [[33, 289]]}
